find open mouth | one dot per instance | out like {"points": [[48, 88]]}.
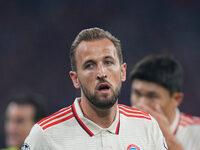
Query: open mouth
{"points": [[103, 87]]}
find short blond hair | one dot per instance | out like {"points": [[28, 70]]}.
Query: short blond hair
{"points": [[91, 35]]}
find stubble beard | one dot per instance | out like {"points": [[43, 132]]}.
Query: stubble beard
{"points": [[103, 103]]}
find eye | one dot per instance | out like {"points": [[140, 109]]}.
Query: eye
{"points": [[136, 93], [89, 66], [108, 62], [152, 96]]}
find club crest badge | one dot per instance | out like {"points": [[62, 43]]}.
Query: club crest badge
{"points": [[25, 147], [133, 147]]}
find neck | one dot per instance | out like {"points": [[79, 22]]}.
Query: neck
{"points": [[103, 118], [171, 116]]}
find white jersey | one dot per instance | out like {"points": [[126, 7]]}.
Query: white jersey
{"points": [[187, 130], [68, 129]]}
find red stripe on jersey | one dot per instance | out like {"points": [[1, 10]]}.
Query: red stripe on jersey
{"points": [[135, 111], [186, 116], [58, 121], [118, 125], [183, 121], [187, 121], [135, 116], [176, 129], [182, 124], [132, 108], [55, 117], [53, 114], [195, 120], [80, 122]]}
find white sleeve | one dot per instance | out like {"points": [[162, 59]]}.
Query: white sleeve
{"points": [[36, 140], [190, 137], [159, 140]]}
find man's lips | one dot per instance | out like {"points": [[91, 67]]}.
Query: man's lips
{"points": [[103, 87]]}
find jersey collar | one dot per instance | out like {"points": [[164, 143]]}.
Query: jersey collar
{"points": [[175, 124], [90, 127]]}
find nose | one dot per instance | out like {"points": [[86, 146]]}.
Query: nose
{"points": [[101, 73]]}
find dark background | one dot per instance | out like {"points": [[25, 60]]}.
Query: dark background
{"points": [[35, 37]]}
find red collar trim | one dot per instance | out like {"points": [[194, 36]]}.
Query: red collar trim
{"points": [[85, 127], [176, 129], [118, 125], [80, 122]]}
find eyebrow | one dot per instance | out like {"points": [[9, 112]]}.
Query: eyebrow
{"points": [[91, 60], [135, 90], [152, 93], [108, 57], [88, 61], [147, 93]]}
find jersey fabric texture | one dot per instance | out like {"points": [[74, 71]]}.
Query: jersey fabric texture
{"points": [[187, 130], [68, 129]]}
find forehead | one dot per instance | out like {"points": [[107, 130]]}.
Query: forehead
{"points": [[145, 86], [16, 110], [95, 49]]}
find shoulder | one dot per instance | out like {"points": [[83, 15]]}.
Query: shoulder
{"points": [[134, 117], [146, 125], [189, 125], [57, 118], [133, 112], [188, 120], [35, 138], [41, 133], [188, 130]]}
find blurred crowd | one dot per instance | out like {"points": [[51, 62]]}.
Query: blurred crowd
{"points": [[35, 38]]}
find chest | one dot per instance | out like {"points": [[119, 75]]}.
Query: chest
{"points": [[77, 138]]}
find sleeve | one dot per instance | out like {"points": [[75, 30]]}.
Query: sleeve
{"points": [[193, 137], [158, 138], [36, 140]]}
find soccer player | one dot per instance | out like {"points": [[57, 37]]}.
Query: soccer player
{"points": [[156, 88], [22, 112], [95, 121]]}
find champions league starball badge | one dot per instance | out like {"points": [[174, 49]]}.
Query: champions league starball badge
{"points": [[133, 147], [25, 147]]}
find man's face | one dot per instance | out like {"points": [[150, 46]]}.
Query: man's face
{"points": [[18, 123], [151, 94], [99, 72]]}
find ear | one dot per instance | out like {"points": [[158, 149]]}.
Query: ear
{"points": [[123, 72], [178, 98], [73, 76]]}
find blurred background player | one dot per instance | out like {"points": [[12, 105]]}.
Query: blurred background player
{"points": [[156, 84], [22, 112]]}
